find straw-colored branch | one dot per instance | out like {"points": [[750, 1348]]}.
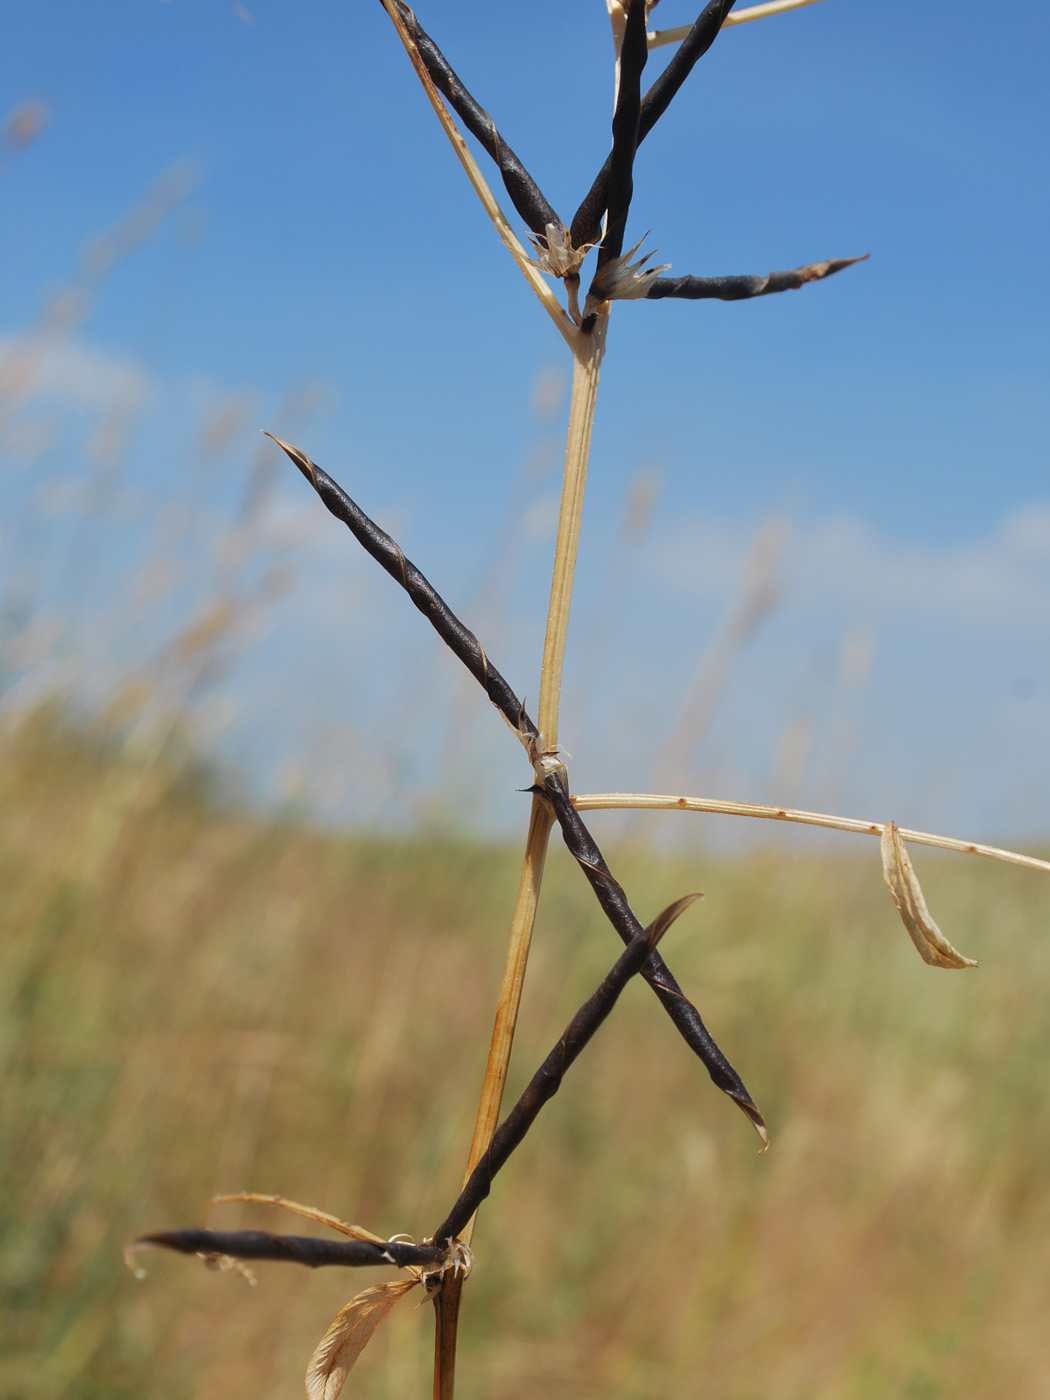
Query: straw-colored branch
{"points": [[446, 1315], [587, 361], [774, 7], [487, 1118], [530, 272], [587, 357], [655, 802]]}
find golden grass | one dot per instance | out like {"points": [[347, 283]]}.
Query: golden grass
{"points": [[195, 1000]]}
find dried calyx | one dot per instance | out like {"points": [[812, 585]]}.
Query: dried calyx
{"points": [[555, 253], [623, 280]]}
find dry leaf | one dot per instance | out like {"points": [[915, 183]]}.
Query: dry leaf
{"points": [[349, 1334], [899, 874]]}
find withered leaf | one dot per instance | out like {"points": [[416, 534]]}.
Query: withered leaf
{"points": [[903, 883], [349, 1334]]}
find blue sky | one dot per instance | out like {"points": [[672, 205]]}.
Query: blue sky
{"points": [[296, 249]]}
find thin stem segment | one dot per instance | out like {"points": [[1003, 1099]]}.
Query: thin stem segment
{"points": [[446, 1332], [774, 7], [658, 802], [586, 367], [587, 357], [540, 824]]}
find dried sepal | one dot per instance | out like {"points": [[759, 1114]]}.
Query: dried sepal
{"points": [[903, 883], [622, 280], [555, 254], [350, 1332]]}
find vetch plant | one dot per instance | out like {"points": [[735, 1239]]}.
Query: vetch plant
{"points": [[440, 1264]]}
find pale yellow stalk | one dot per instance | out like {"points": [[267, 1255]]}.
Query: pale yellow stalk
{"points": [[510, 988], [587, 361], [656, 802], [774, 7], [587, 358], [587, 353]]}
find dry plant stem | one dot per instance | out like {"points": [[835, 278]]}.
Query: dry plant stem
{"points": [[587, 355], [587, 358], [657, 802], [540, 823], [446, 1331], [534, 278], [774, 7], [447, 1302]]}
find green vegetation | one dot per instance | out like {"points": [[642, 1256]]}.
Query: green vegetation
{"points": [[197, 1000]]}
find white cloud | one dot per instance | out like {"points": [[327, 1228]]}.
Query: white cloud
{"points": [[69, 372], [1002, 577]]}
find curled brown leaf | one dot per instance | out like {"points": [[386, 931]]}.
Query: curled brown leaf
{"points": [[903, 883]]}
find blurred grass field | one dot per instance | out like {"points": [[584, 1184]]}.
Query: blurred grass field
{"points": [[196, 999]]}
